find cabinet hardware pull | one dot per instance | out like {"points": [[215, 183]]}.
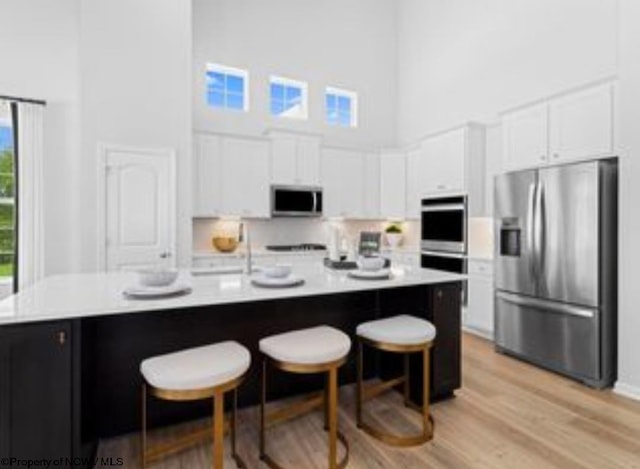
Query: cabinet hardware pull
{"points": [[62, 337]]}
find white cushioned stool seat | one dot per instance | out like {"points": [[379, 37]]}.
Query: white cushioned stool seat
{"points": [[316, 345], [399, 330], [197, 368]]}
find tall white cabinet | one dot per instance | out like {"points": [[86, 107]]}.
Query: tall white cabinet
{"points": [[343, 182]]}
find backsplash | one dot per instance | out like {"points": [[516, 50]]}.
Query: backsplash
{"points": [[293, 231]]}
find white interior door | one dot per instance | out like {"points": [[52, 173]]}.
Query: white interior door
{"points": [[139, 207]]}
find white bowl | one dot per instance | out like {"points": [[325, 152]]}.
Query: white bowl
{"points": [[157, 277], [370, 263], [277, 271]]}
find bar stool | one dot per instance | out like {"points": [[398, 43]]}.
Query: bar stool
{"points": [[399, 334], [321, 349], [195, 374]]}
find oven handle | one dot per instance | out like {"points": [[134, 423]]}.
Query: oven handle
{"points": [[453, 255], [443, 207]]}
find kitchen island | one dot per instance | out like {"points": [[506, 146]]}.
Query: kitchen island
{"points": [[70, 346]]}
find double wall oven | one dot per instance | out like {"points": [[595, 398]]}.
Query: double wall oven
{"points": [[444, 233]]}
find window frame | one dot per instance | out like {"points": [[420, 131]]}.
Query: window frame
{"points": [[353, 108], [291, 83], [227, 70]]}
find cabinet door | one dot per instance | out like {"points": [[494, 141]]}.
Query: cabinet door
{"points": [[526, 137], [245, 185], [342, 175], [371, 186], [207, 167], [450, 167], [417, 180], [480, 303], [308, 161], [446, 353], [582, 124], [393, 185], [35, 391], [284, 160]]}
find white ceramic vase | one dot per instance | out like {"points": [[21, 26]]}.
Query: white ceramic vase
{"points": [[393, 239]]}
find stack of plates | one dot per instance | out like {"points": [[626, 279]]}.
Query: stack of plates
{"points": [[381, 274], [148, 293], [261, 280]]}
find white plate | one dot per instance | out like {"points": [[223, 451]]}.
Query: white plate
{"points": [[381, 274], [261, 280], [143, 292]]}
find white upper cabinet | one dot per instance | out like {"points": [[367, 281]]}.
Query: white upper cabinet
{"points": [[230, 177], [308, 161], [371, 185], [295, 159], [446, 155], [245, 185], [451, 162], [207, 176], [418, 176], [393, 175], [343, 183], [576, 125], [581, 124], [525, 134], [284, 155]]}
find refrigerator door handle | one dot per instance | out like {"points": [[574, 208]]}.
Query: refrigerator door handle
{"points": [[540, 238], [531, 224], [551, 306]]}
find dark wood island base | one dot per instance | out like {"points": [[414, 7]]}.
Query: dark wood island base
{"points": [[65, 384]]}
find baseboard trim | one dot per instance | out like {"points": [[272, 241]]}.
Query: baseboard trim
{"points": [[627, 390]]}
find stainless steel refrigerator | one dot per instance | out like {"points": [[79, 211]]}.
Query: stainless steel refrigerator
{"points": [[556, 268]]}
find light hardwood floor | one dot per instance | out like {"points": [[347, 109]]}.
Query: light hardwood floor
{"points": [[507, 415]]}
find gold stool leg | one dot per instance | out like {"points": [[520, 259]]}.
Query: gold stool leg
{"points": [[143, 433], [218, 430], [407, 383], [333, 418], [426, 383], [263, 399], [234, 429], [359, 377]]}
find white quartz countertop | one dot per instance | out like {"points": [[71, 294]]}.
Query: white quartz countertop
{"points": [[89, 295]]}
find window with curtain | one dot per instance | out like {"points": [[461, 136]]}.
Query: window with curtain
{"points": [[7, 195]]}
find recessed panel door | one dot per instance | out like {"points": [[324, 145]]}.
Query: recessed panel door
{"points": [[139, 209]]}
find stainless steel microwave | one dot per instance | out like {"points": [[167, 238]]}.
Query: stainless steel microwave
{"points": [[296, 201]]}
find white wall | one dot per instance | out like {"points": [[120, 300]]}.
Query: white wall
{"points": [[629, 294], [39, 59], [345, 43], [135, 90], [465, 60]]}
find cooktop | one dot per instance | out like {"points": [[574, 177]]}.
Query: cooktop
{"points": [[297, 247]]}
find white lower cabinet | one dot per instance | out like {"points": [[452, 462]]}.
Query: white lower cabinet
{"points": [[478, 316]]}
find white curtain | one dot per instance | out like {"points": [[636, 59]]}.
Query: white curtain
{"points": [[30, 199]]}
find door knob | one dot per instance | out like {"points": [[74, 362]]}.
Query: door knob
{"points": [[165, 255]]}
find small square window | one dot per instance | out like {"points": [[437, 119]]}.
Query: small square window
{"points": [[227, 87], [341, 107], [288, 98]]}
